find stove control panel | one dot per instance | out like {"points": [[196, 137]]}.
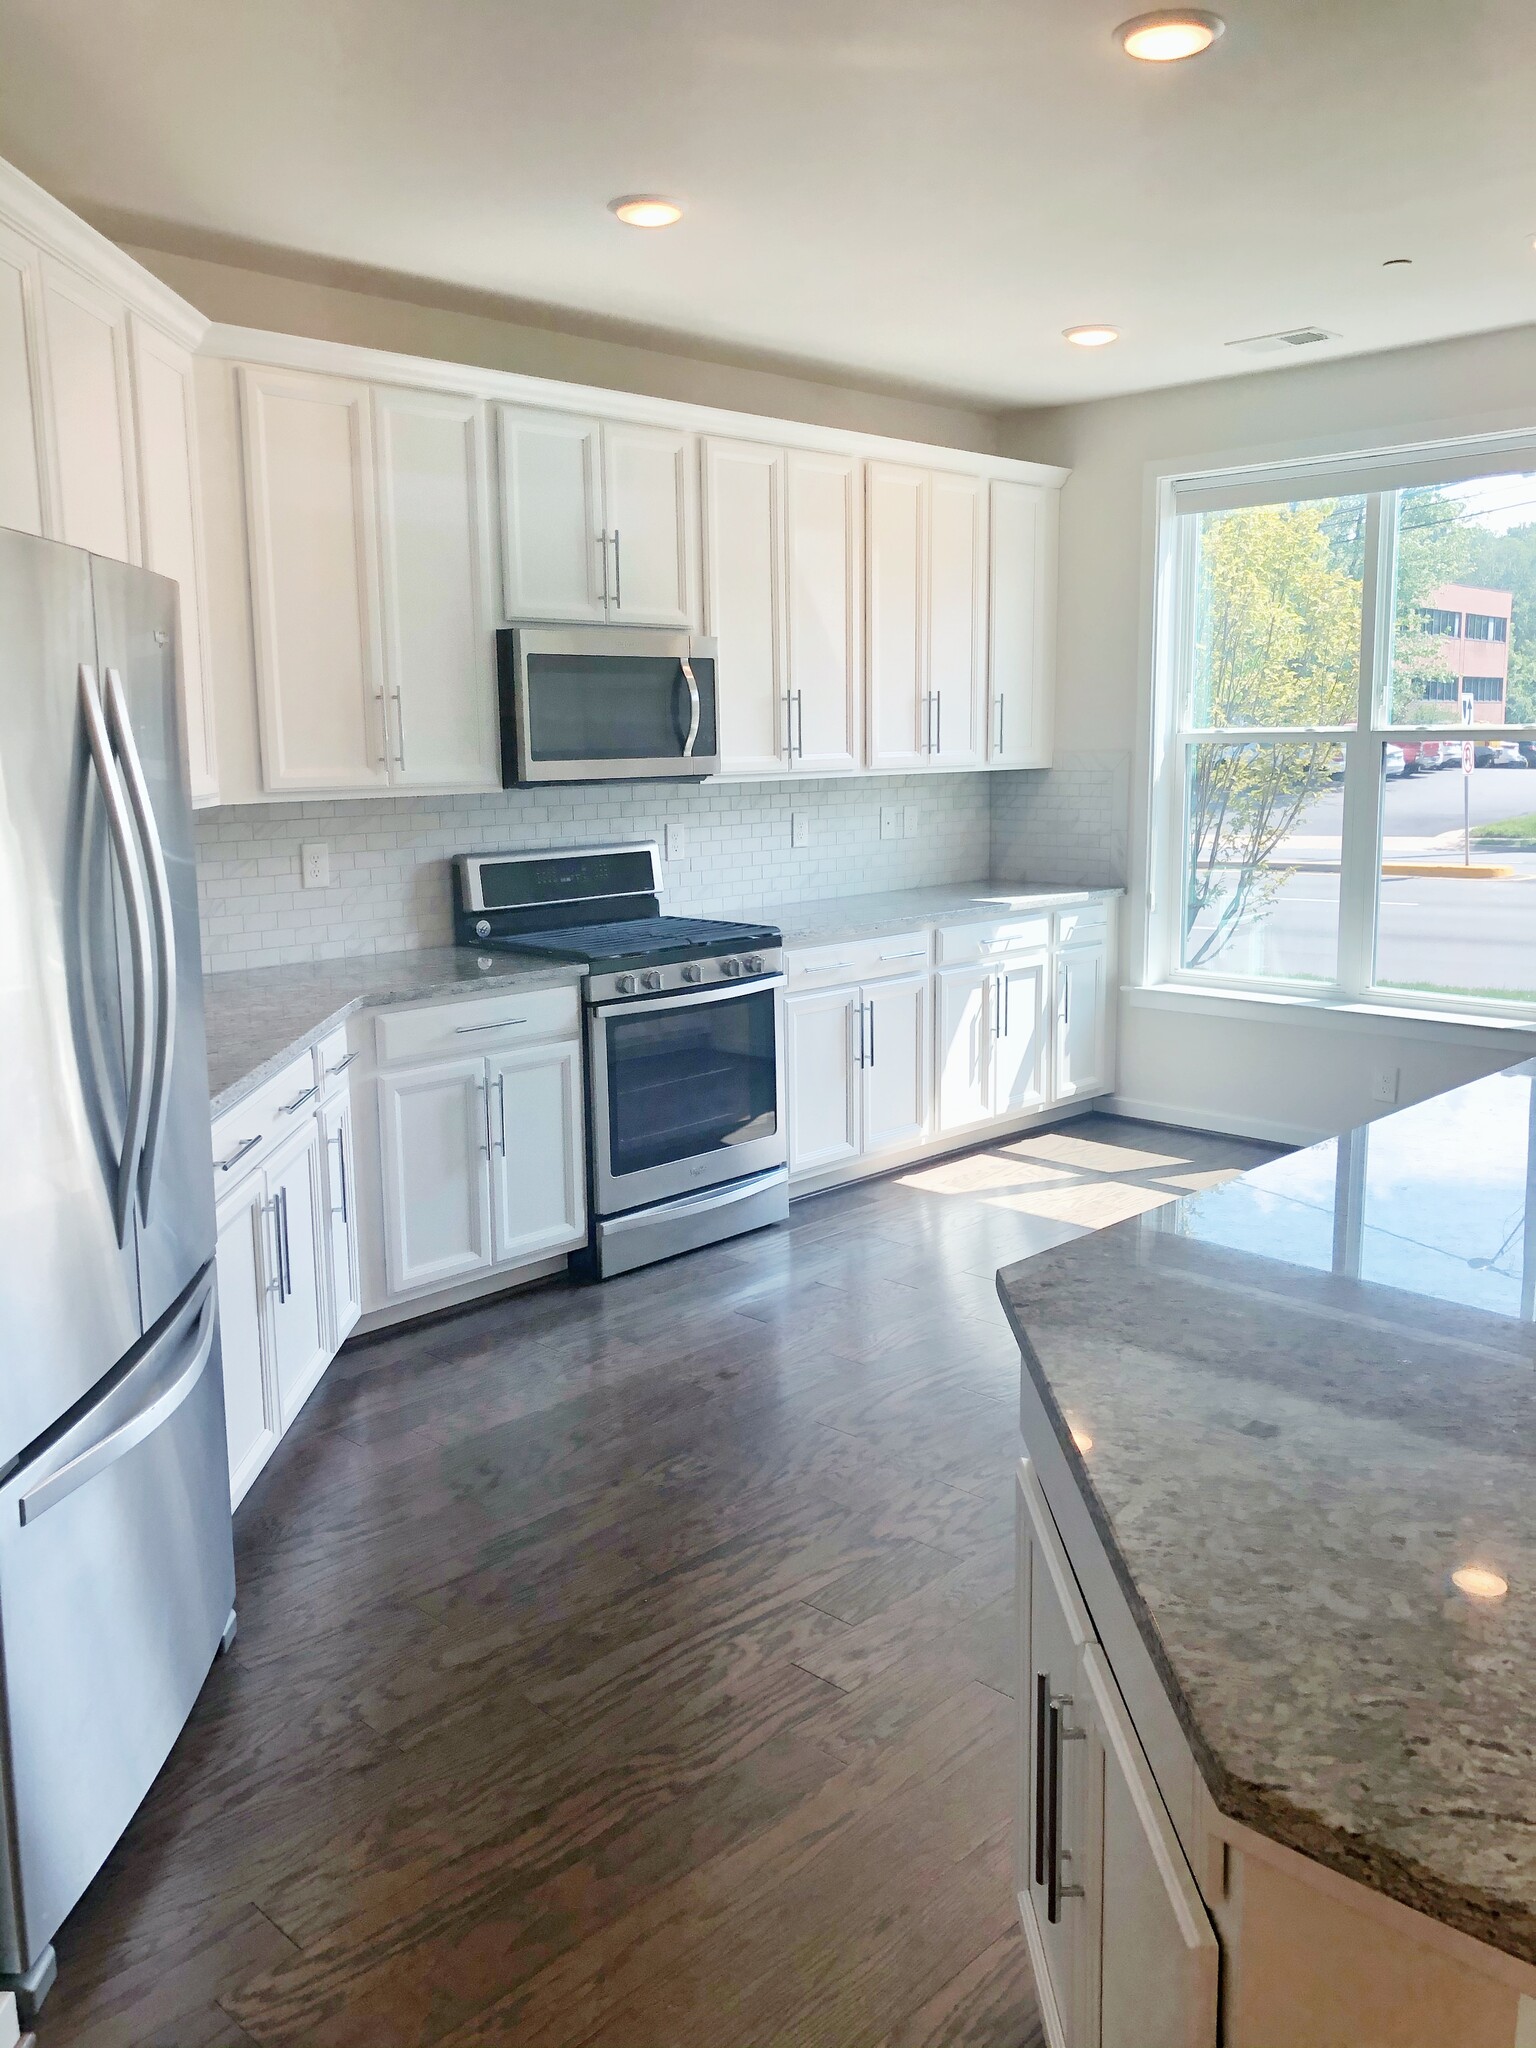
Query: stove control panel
{"points": [[676, 976]]}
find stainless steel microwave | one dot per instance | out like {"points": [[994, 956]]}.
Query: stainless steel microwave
{"points": [[606, 704]]}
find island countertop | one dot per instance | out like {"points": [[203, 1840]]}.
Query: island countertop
{"points": [[1309, 1397]]}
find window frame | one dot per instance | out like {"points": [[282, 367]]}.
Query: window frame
{"points": [[1375, 475]]}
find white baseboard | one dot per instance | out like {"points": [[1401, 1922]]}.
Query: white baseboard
{"points": [[1263, 1130]]}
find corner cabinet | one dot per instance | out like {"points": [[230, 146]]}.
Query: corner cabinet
{"points": [[1123, 1950]]}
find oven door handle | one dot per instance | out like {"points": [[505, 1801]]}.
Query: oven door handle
{"points": [[722, 992]]}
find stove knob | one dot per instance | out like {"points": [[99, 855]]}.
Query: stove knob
{"points": [[651, 978], [483, 928], [730, 969], [692, 971], [625, 984], [753, 963]]}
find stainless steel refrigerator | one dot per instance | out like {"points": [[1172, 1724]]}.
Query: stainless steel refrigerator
{"points": [[116, 1563]]}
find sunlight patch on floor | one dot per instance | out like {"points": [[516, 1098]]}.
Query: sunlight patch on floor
{"points": [[1089, 1155], [978, 1172]]}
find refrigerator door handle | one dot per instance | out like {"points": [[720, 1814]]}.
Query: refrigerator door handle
{"points": [[118, 1442], [121, 728], [136, 1120]]}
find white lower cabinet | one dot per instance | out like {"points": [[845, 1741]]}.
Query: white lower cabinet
{"points": [[1082, 1018], [1123, 1950], [992, 1041], [856, 1071], [250, 1395], [340, 1220], [482, 1162], [301, 1347]]}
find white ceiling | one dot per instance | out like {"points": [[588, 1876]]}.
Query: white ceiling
{"points": [[920, 194]]}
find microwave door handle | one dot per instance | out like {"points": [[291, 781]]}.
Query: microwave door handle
{"points": [[693, 698]]}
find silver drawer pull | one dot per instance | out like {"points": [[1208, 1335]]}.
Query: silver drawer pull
{"points": [[827, 967], [918, 955], [501, 1024], [239, 1153], [342, 1065], [299, 1101]]}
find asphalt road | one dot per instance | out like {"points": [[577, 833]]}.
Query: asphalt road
{"points": [[1426, 805]]}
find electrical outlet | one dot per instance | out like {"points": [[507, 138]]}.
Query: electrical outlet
{"points": [[1384, 1084], [890, 821], [799, 828], [677, 839], [315, 864], [909, 822]]}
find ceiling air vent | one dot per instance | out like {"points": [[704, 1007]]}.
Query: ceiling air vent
{"points": [[1276, 344]]}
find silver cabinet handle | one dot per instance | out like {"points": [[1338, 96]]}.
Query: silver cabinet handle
{"points": [[1042, 1713], [859, 1054], [1001, 704], [136, 1120], [501, 1111], [938, 721], [827, 967], [121, 728], [800, 725], [1066, 997], [235, 1157], [120, 1441], [484, 1090], [871, 1009], [501, 1024], [602, 543], [618, 575], [789, 725], [275, 1207], [997, 1006], [299, 1101], [399, 728], [340, 1142], [1055, 1855], [342, 1065], [693, 699], [282, 1196]]}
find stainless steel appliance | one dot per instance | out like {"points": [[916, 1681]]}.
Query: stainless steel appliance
{"points": [[116, 1564], [606, 704], [684, 1036]]}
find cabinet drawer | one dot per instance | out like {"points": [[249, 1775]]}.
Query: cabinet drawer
{"points": [[963, 945], [856, 960], [1089, 921], [481, 1024], [243, 1137], [333, 1061]]}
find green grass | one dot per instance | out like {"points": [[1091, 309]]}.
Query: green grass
{"points": [[1492, 995], [1507, 832]]}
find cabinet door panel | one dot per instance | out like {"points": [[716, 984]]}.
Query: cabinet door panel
{"points": [[346, 1293], [439, 635], [88, 388], [744, 600], [538, 1165], [821, 1078], [435, 1146], [896, 1069], [551, 515], [957, 585], [166, 420], [823, 611], [23, 492], [251, 1417], [965, 1016], [646, 505], [896, 548], [309, 490], [1023, 1035], [300, 1321], [1082, 1035], [1155, 1953], [1023, 603]]}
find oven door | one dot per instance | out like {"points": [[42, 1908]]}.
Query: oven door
{"points": [[687, 1091]]}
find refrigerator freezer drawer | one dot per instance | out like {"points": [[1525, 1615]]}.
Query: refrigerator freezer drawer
{"points": [[116, 1581]]}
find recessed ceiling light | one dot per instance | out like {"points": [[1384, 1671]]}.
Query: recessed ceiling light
{"points": [[645, 210], [1095, 336], [1169, 34], [1478, 1583]]}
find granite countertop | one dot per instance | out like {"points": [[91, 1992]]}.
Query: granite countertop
{"points": [[1310, 1396], [259, 1018], [895, 910]]}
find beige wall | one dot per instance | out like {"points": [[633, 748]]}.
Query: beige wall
{"points": [[241, 297], [1271, 1078]]}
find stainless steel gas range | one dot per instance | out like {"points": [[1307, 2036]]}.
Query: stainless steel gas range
{"points": [[684, 1041]]}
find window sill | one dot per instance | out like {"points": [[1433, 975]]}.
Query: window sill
{"points": [[1397, 1020]]}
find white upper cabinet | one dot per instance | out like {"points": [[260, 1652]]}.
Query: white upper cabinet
{"points": [[88, 382], [896, 553], [824, 609], [166, 421], [1023, 613], [957, 620], [23, 466], [310, 513], [648, 509], [554, 547], [744, 602], [435, 585], [598, 519]]}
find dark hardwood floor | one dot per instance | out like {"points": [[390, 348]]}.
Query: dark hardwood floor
{"points": [[629, 1665]]}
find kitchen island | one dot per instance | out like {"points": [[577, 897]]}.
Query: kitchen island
{"points": [[1278, 1569]]}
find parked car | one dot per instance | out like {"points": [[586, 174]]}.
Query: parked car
{"points": [[1498, 754], [1420, 756], [1393, 763]]}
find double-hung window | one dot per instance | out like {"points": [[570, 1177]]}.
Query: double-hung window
{"points": [[1344, 760]]}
